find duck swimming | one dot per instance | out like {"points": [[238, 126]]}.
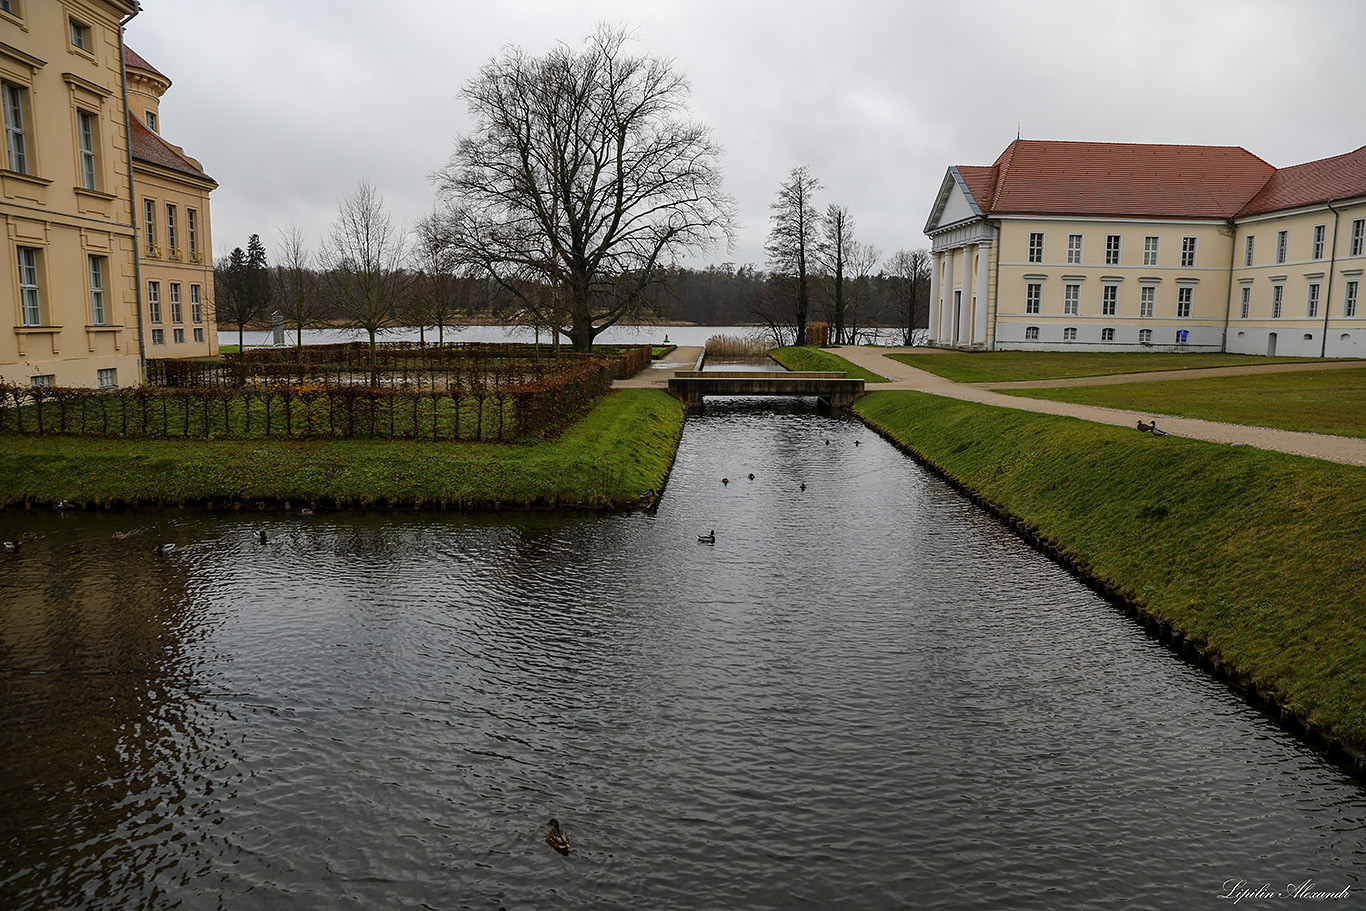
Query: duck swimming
{"points": [[556, 837], [165, 548], [261, 536], [12, 547], [709, 538]]}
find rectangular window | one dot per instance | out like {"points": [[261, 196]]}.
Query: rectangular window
{"points": [[154, 301], [178, 336], [1349, 300], [196, 312], [149, 226], [1320, 232], [1277, 298], [1312, 306], [1112, 249], [108, 377], [30, 300], [1033, 296], [1145, 336], [1245, 305], [1282, 242], [1183, 301], [1182, 336], [1358, 237], [1107, 335], [199, 335], [15, 138], [171, 250], [1109, 300], [1036, 246], [1074, 248], [1069, 334], [175, 302], [46, 379], [97, 290], [1247, 254], [1071, 300], [80, 35], [1150, 245], [1187, 252], [1031, 333], [151, 118], [158, 336], [1147, 298], [85, 128], [192, 232]]}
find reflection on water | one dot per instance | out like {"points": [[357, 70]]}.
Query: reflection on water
{"points": [[864, 695]]}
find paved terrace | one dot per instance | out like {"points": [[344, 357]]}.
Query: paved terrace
{"points": [[1315, 445]]}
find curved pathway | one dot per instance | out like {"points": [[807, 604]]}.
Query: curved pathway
{"points": [[1347, 450]]}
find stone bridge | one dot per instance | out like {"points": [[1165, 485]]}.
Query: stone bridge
{"points": [[834, 391]]}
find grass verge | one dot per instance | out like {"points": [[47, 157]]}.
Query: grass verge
{"points": [[625, 445], [1253, 553], [1327, 401], [809, 357], [1010, 366]]}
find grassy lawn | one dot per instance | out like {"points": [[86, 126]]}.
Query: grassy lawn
{"points": [[624, 446], [809, 357], [1328, 401], [1251, 552], [1009, 366]]}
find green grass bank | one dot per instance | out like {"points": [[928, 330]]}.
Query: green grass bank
{"points": [[1012, 366], [1253, 555], [624, 446], [808, 357]]}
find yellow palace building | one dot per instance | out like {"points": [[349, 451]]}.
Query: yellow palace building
{"points": [[77, 270], [1123, 247]]}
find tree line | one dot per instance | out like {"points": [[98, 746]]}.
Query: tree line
{"points": [[583, 180]]}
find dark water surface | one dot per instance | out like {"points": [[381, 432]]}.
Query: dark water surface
{"points": [[865, 695]]}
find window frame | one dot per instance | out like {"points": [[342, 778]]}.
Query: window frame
{"points": [[1036, 249], [1357, 245], [192, 231], [17, 114], [1147, 301], [1069, 334], [99, 315], [1249, 249], [1145, 336], [1033, 297], [1071, 299], [1031, 333], [81, 36], [1107, 334], [1189, 245], [1185, 301], [171, 250], [1350, 292], [1277, 300], [173, 292], [1114, 245], [1320, 239], [1311, 300], [87, 148], [1183, 336], [1245, 302], [1282, 246], [30, 275], [1074, 249], [1152, 249], [111, 374], [196, 305], [158, 336], [1109, 300], [154, 301]]}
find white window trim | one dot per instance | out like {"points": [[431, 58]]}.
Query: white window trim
{"points": [[1118, 249]]}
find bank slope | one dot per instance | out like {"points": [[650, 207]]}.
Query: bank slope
{"points": [[1255, 554], [622, 447]]}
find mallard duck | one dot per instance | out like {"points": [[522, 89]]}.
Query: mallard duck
{"points": [[751, 476], [12, 547], [120, 535], [165, 548], [803, 485], [305, 512], [725, 480], [261, 536], [28, 536], [556, 837], [708, 538]]}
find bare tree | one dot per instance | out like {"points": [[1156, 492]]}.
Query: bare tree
{"points": [[435, 295], [860, 261], [909, 275], [832, 251], [362, 265], [584, 171], [792, 240], [294, 285], [232, 298]]}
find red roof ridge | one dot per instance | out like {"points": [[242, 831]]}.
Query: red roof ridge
{"points": [[151, 148], [134, 59]]}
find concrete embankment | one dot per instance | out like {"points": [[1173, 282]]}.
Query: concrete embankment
{"points": [[1243, 560]]}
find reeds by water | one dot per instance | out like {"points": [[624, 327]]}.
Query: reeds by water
{"points": [[753, 347]]}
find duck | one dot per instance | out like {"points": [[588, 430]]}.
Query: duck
{"points": [[261, 536], [165, 548], [556, 837], [856, 442], [725, 480], [29, 536], [12, 547], [120, 535], [803, 485], [305, 512], [751, 476], [65, 504], [708, 538]]}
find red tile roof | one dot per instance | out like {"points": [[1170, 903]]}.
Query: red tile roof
{"points": [[151, 148], [133, 59], [1314, 182], [1034, 177]]}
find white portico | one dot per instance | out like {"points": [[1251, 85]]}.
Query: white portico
{"points": [[961, 298]]}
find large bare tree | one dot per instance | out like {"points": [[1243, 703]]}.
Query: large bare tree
{"points": [[362, 264], [792, 241], [833, 249], [909, 273], [436, 292], [583, 173]]}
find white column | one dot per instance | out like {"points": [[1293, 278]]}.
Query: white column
{"points": [[979, 316], [965, 310], [932, 326]]}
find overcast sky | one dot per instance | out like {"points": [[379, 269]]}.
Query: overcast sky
{"points": [[289, 103]]}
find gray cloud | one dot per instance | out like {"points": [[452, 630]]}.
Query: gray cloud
{"points": [[289, 104]]}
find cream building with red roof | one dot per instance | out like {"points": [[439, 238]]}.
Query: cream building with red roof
{"points": [[1114, 246]]}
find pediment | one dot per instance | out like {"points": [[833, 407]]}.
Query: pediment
{"points": [[954, 204]]}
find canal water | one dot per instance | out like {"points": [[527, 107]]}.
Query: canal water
{"points": [[865, 694]]}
